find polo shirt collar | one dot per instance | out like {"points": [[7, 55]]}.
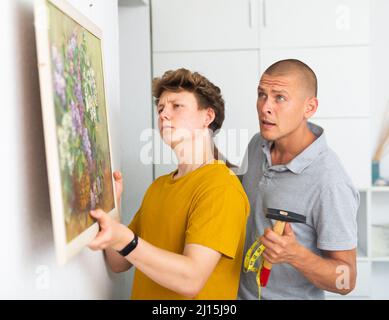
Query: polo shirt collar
{"points": [[305, 158]]}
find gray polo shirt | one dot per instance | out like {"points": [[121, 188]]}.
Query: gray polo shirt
{"points": [[313, 184]]}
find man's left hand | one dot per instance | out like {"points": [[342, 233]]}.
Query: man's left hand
{"points": [[280, 249]]}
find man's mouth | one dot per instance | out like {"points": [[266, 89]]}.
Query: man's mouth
{"points": [[267, 123]]}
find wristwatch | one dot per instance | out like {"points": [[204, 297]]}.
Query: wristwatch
{"points": [[130, 247]]}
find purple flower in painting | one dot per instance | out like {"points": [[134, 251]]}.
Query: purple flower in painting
{"points": [[79, 69], [57, 59], [92, 200], [71, 68], [81, 112], [59, 80], [99, 185], [86, 145], [72, 46], [78, 93], [59, 87], [76, 119], [94, 196], [73, 41]]}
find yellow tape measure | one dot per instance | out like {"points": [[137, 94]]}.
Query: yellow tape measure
{"points": [[252, 255]]}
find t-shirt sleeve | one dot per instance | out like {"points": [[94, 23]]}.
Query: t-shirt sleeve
{"points": [[336, 218], [135, 223], [218, 220]]}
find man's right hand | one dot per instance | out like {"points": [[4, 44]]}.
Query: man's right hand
{"points": [[117, 175]]}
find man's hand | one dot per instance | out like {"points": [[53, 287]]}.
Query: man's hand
{"points": [[112, 234], [280, 249], [321, 271], [117, 175]]}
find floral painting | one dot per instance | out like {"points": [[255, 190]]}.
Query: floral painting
{"points": [[81, 121]]}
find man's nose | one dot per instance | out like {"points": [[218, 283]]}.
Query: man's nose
{"points": [[265, 107]]}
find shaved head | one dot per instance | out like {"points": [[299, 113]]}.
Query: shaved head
{"points": [[305, 74]]}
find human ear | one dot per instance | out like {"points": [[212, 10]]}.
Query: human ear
{"points": [[311, 107], [209, 116]]}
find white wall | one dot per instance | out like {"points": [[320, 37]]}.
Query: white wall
{"points": [[379, 71], [379, 99], [28, 268], [136, 104]]}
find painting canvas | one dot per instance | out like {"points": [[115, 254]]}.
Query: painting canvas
{"points": [[75, 123]]}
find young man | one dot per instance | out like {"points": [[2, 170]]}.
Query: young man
{"points": [[291, 167], [186, 240]]}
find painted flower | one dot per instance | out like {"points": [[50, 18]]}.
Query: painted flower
{"points": [[64, 141], [86, 145], [72, 45], [99, 185], [75, 86], [90, 92], [94, 196], [59, 80], [92, 200], [57, 60], [78, 92], [76, 119]]}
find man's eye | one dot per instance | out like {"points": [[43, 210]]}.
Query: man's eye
{"points": [[159, 110], [280, 98], [261, 94], [176, 105]]}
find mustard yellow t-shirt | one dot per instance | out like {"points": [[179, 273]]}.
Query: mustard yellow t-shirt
{"points": [[208, 206]]}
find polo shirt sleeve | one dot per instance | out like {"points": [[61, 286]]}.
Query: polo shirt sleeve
{"points": [[335, 219], [218, 220]]}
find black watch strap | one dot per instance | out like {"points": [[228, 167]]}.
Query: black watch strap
{"points": [[131, 246]]}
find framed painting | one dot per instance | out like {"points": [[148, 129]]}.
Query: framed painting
{"points": [[75, 121]]}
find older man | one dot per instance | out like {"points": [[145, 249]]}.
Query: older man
{"points": [[290, 167]]}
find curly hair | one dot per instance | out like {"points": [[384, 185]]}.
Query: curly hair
{"points": [[207, 94]]}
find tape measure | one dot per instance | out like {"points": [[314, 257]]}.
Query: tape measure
{"points": [[252, 255]]}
